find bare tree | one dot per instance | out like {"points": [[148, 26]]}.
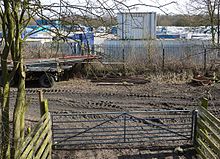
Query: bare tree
{"points": [[203, 8], [15, 16]]}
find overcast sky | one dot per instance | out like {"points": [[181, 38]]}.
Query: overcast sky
{"points": [[174, 8]]}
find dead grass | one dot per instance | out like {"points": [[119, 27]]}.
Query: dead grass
{"points": [[149, 64], [171, 77]]}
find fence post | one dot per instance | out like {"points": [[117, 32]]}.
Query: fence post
{"points": [[204, 103], [205, 59], [44, 107], [124, 127], [29, 130], [194, 126], [123, 58], [163, 60], [41, 97], [43, 104]]}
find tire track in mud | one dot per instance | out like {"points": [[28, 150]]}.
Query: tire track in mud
{"points": [[72, 100]]}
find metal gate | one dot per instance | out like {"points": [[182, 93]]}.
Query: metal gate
{"points": [[122, 129]]}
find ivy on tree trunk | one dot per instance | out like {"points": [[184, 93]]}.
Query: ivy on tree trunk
{"points": [[12, 26]]}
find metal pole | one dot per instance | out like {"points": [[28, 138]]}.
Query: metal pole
{"points": [[218, 29], [205, 59], [218, 25], [163, 62], [60, 16], [194, 126], [123, 57], [124, 127], [122, 27]]}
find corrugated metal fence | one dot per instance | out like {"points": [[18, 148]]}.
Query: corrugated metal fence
{"points": [[158, 51]]}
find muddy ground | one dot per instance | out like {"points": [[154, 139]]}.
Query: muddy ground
{"points": [[84, 96]]}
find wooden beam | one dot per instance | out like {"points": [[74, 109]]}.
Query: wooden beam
{"points": [[44, 107], [207, 151], [204, 136], [202, 125]]}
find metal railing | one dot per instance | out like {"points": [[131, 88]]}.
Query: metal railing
{"points": [[122, 129]]}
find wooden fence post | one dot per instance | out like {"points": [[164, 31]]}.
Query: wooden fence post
{"points": [[207, 135], [41, 97], [43, 104], [44, 107], [29, 130], [204, 103]]}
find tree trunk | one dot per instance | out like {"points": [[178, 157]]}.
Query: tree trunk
{"points": [[5, 123], [5, 154], [19, 110]]}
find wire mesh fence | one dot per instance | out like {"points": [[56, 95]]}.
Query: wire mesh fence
{"points": [[158, 53]]}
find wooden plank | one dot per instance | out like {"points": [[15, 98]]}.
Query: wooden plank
{"points": [[210, 116], [47, 151], [48, 157], [27, 154], [50, 143], [216, 148], [202, 125], [204, 103], [41, 137], [29, 146], [39, 132], [210, 122], [200, 153], [44, 144], [37, 126], [50, 152], [28, 139], [30, 155], [211, 155], [35, 137], [44, 107], [25, 151]]}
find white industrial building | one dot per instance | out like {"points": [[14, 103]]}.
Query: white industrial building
{"points": [[136, 26]]}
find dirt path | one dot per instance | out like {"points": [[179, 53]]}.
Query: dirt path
{"points": [[83, 96]]}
